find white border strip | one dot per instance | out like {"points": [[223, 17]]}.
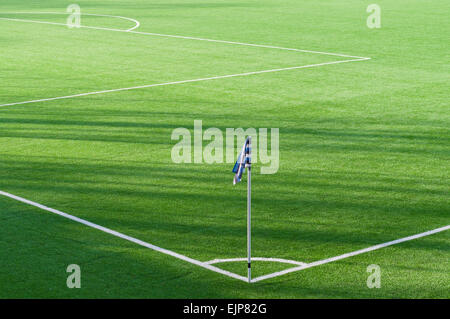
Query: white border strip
{"points": [[120, 235], [358, 252]]}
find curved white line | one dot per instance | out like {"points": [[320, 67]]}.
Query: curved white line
{"points": [[207, 264], [278, 260], [126, 237], [136, 22], [198, 39], [353, 59]]}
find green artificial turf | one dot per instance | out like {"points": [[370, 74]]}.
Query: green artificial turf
{"points": [[364, 148]]}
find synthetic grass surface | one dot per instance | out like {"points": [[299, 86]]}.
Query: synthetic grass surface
{"points": [[363, 148]]}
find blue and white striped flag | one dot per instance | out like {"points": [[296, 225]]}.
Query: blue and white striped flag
{"points": [[244, 160]]}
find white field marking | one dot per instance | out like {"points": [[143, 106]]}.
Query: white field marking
{"points": [[358, 252], [353, 59], [208, 265], [196, 38], [277, 260], [136, 22], [131, 239], [179, 82]]}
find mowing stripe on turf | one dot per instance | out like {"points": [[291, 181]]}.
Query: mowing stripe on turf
{"points": [[123, 236], [357, 252], [207, 264]]}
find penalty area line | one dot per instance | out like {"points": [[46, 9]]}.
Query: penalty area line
{"points": [[188, 37], [136, 22], [351, 254], [181, 82], [126, 237], [352, 59]]}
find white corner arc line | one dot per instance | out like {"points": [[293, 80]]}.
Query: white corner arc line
{"points": [[351, 254], [136, 22], [207, 265], [277, 260], [179, 82], [126, 237]]}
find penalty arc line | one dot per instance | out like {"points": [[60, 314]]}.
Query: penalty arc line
{"points": [[192, 38], [126, 237], [206, 265], [136, 22], [351, 254], [353, 59]]}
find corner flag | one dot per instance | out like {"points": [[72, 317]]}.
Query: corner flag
{"points": [[245, 161]]}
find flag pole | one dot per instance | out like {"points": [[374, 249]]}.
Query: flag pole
{"points": [[249, 212]]}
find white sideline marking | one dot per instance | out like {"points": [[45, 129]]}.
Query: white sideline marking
{"points": [[353, 59], [358, 252], [120, 235], [208, 265], [278, 260], [136, 22], [178, 82]]}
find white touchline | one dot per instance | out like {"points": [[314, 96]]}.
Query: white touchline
{"points": [[353, 59], [351, 254], [120, 235], [207, 264]]}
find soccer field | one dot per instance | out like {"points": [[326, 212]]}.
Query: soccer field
{"points": [[86, 169]]}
